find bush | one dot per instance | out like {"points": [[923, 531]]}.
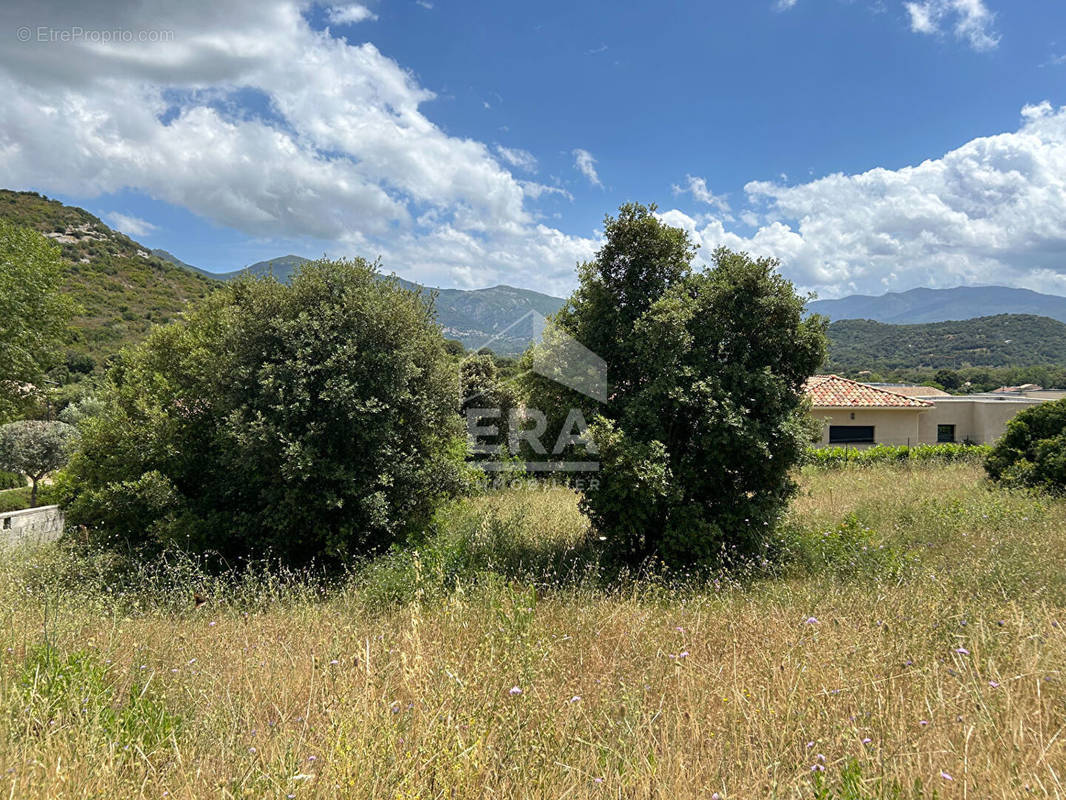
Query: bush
{"points": [[1032, 453], [948, 453], [11, 480], [706, 417], [315, 421]]}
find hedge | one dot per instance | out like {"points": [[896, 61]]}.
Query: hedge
{"points": [[832, 457]]}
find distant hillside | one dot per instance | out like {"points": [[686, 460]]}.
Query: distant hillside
{"points": [[124, 287], [1004, 340], [942, 305], [497, 317], [121, 286]]}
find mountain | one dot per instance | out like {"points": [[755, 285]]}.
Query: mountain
{"points": [[497, 317], [942, 305], [1004, 340], [122, 288]]}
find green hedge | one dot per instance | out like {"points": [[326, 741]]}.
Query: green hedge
{"points": [[11, 480], [18, 499], [832, 457]]}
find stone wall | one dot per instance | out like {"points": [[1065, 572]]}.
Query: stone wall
{"points": [[30, 526]]}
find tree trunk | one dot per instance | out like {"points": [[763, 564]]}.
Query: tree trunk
{"points": [[33, 492]]}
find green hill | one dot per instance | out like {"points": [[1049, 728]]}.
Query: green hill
{"points": [[1004, 340], [121, 286]]}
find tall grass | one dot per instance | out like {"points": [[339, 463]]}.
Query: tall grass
{"points": [[910, 646]]}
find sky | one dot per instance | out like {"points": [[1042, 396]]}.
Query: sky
{"points": [[870, 145]]}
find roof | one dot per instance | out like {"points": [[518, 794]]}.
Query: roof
{"points": [[832, 391], [911, 390]]}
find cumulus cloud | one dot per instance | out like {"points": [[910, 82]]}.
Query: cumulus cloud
{"points": [[130, 225], [697, 187], [970, 20], [516, 157], [251, 118], [586, 165], [351, 14], [990, 211]]}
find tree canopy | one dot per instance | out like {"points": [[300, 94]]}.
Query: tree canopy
{"points": [[705, 416], [311, 421], [35, 313], [35, 448]]}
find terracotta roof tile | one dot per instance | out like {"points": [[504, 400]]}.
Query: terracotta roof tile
{"points": [[832, 391]]}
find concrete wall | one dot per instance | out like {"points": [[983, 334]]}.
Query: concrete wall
{"points": [[30, 526], [976, 419], [891, 425]]}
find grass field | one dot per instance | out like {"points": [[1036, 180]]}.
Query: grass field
{"points": [[910, 646]]}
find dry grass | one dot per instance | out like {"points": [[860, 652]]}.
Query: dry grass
{"points": [[937, 651]]}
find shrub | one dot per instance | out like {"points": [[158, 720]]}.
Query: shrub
{"points": [[11, 480], [948, 453], [705, 372], [1032, 452], [311, 421]]}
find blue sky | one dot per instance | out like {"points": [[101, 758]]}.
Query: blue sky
{"points": [[872, 145]]}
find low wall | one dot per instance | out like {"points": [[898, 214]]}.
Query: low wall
{"points": [[30, 526]]}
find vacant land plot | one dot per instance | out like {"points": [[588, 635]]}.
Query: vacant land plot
{"points": [[910, 646]]}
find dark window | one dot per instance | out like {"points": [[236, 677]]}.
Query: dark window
{"points": [[851, 434], [945, 433]]}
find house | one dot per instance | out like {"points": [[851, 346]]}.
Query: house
{"points": [[856, 413], [861, 414]]}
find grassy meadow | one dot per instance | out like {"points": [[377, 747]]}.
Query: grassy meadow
{"points": [[909, 645]]}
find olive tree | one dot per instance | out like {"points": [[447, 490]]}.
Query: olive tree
{"points": [[705, 417], [35, 448], [314, 421]]}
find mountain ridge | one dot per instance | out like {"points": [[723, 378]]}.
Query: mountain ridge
{"points": [[925, 305]]}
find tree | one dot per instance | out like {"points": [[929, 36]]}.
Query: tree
{"points": [[949, 379], [1032, 452], [34, 316], [486, 400], [706, 416], [315, 421], [35, 448]]}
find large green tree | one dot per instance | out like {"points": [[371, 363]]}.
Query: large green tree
{"points": [[705, 416], [311, 421], [34, 313]]}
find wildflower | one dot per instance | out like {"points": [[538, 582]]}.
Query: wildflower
{"points": [[945, 776], [812, 620], [817, 768], [994, 684], [810, 745], [820, 757], [575, 699], [867, 740], [312, 758], [515, 690], [334, 661], [683, 654], [252, 750], [923, 722], [962, 651]]}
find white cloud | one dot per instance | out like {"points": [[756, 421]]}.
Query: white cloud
{"points": [[516, 157], [350, 14], [334, 148], [784, 5], [697, 187], [990, 211], [970, 20], [130, 225], [425, 4], [586, 165]]}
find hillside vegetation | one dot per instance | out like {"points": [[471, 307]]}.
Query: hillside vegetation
{"points": [[913, 647], [941, 305], [121, 288], [1004, 340]]}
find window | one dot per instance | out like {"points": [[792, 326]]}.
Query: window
{"points": [[945, 433], [851, 434]]}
